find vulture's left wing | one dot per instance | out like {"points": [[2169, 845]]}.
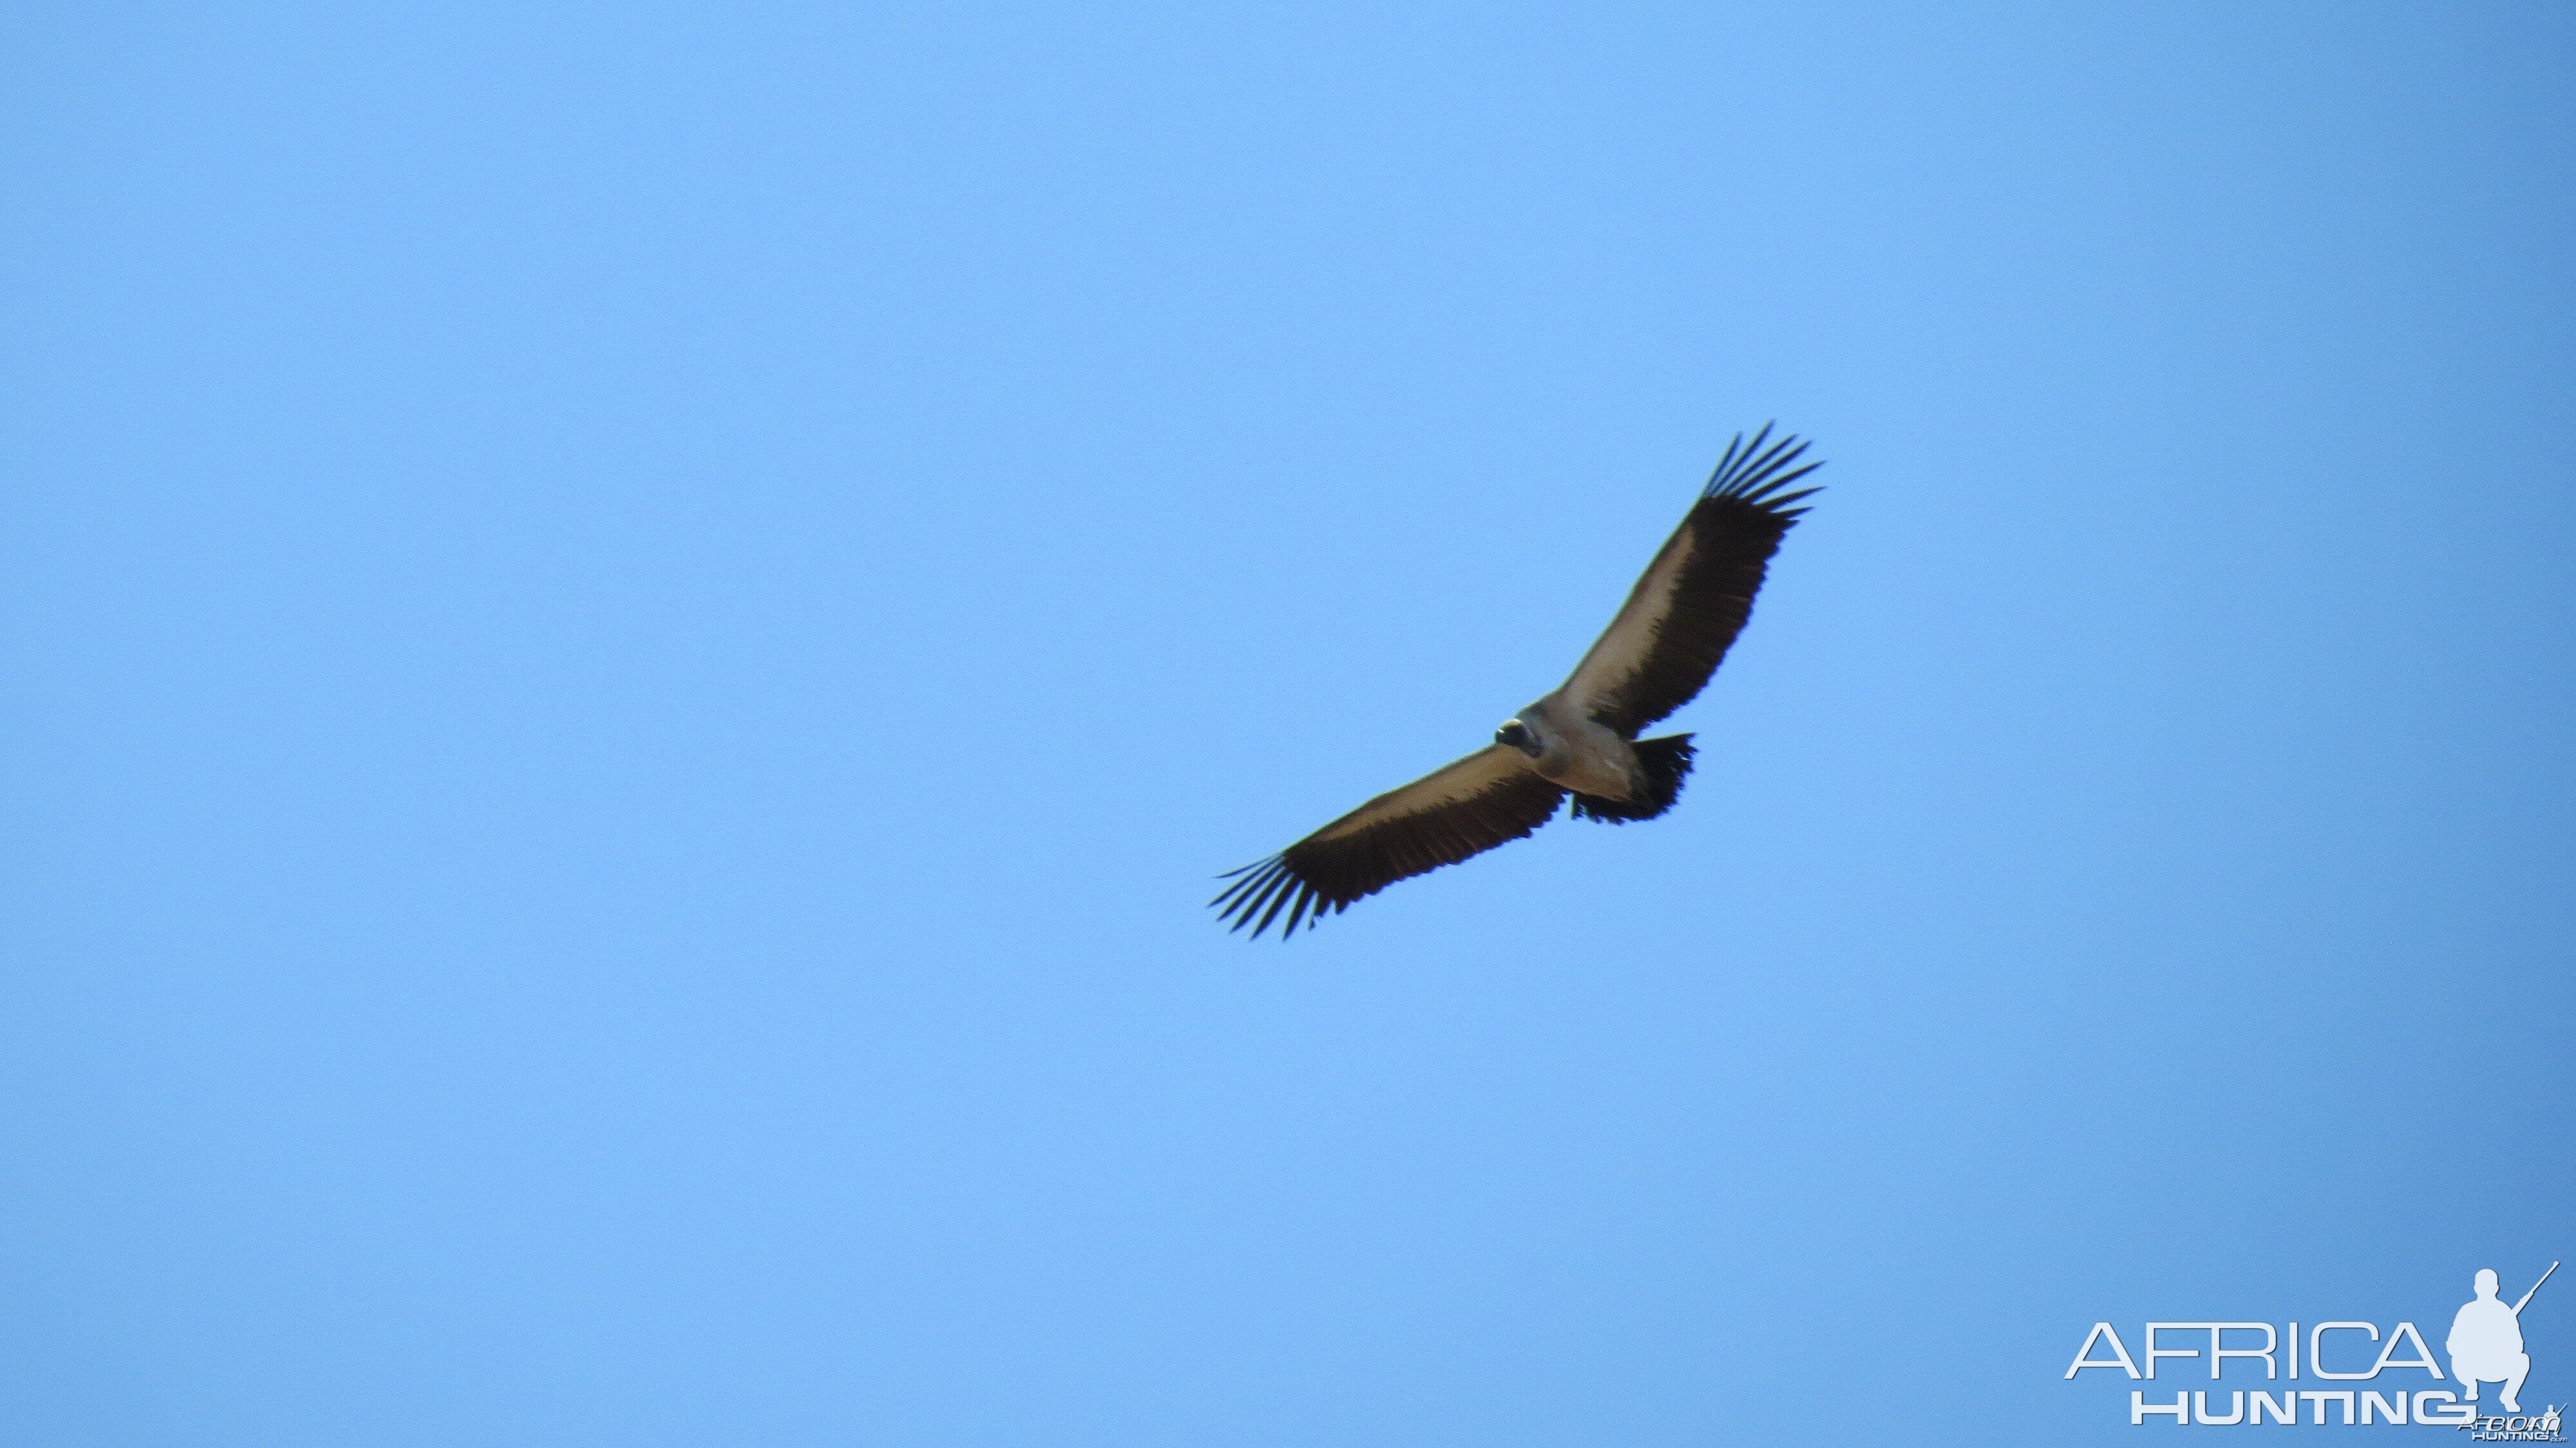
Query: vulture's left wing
{"points": [[1489, 798], [1694, 598]]}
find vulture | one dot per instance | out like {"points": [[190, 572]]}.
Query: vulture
{"points": [[1581, 740]]}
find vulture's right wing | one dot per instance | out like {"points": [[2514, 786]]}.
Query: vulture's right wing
{"points": [[1489, 798], [1686, 610]]}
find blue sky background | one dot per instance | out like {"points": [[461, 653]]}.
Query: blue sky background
{"points": [[633, 633]]}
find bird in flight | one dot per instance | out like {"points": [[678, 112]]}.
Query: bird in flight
{"points": [[1581, 740]]}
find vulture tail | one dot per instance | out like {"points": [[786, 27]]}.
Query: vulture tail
{"points": [[1665, 762]]}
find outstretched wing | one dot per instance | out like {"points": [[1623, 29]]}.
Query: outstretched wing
{"points": [[1489, 798], [1694, 598]]}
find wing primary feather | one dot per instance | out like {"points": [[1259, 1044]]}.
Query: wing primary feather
{"points": [[1250, 892], [1239, 886], [1762, 466], [1738, 455], [1726, 461], [1769, 498], [1753, 475], [1778, 475], [1271, 892], [1278, 902], [1305, 898]]}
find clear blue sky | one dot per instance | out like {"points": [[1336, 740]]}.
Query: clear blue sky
{"points": [[632, 634]]}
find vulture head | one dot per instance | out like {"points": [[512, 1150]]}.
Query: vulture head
{"points": [[1517, 735]]}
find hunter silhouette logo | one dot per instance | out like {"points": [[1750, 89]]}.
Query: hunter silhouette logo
{"points": [[2486, 1341], [2485, 1345]]}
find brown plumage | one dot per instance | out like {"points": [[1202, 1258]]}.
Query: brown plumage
{"points": [[1657, 654]]}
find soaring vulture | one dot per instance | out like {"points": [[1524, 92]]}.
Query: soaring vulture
{"points": [[1581, 740]]}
